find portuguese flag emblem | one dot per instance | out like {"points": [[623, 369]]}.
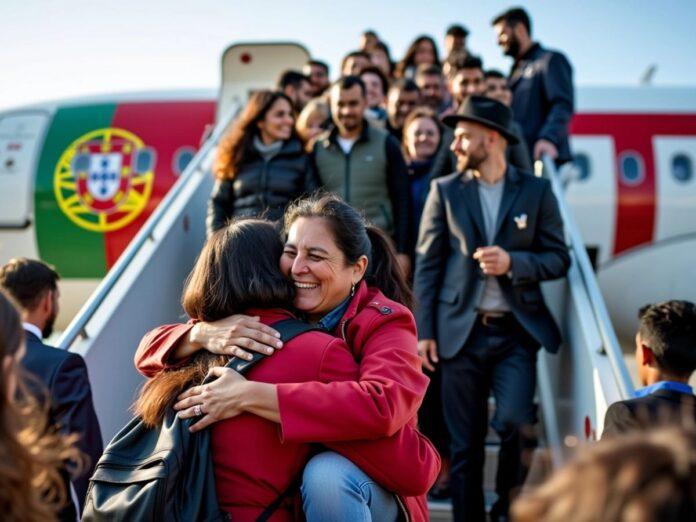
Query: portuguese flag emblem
{"points": [[103, 180], [103, 169]]}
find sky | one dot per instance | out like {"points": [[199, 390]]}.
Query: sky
{"points": [[69, 48]]}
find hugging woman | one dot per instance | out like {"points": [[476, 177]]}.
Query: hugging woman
{"points": [[346, 279]]}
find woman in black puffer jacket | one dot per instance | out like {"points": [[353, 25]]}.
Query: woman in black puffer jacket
{"points": [[261, 165]]}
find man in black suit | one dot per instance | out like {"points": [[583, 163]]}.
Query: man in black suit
{"points": [[489, 234], [63, 375], [542, 87], [666, 356]]}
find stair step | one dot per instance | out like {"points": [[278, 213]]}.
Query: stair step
{"points": [[441, 510]]}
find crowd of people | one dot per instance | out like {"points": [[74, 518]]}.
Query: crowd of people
{"points": [[394, 209]]}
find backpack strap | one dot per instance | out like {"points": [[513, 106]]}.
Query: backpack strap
{"points": [[288, 329], [271, 508]]}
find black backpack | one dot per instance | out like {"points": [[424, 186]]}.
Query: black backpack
{"points": [[166, 473]]}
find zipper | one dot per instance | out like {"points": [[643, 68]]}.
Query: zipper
{"points": [[264, 184], [347, 175], [404, 509], [343, 330]]}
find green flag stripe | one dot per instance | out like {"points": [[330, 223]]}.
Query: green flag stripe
{"points": [[73, 250]]}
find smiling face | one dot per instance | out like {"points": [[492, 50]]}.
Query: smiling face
{"points": [[467, 82], [400, 103], [319, 78], [301, 94], [498, 89], [380, 59], [278, 122], [469, 145], [317, 267], [347, 108], [425, 53], [431, 89], [421, 137], [373, 89], [508, 38]]}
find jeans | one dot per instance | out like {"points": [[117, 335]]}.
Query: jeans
{"points": [[501, 360], [335, 489]]}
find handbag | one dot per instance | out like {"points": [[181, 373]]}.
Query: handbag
{"points": [[166, 472]]}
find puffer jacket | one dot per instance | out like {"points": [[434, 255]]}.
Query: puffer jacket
{"points": [[262, 188]]}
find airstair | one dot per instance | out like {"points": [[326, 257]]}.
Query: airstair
{"points": [[143, 290]]}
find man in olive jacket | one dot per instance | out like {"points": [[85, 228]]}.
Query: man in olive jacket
{"points": [[364, 165]]}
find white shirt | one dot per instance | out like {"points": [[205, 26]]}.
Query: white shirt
{"points": [[346, 143], [33, 329]]}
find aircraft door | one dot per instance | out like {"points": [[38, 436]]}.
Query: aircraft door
{"points": [[675, 164], [591, 192], [247, 67], [21, 134]]}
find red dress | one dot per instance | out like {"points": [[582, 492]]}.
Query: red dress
{"points": [[377, 432]]}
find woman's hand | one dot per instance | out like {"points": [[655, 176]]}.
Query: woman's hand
{"points": [[215, 401], [236, 336]]}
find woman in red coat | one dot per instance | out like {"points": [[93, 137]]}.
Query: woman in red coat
{"points": [[331, 256], [236, 272]]}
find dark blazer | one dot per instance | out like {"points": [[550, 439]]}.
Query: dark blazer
{"points": [[64, 376], [448, 282], [543, 98], [659, 408]]}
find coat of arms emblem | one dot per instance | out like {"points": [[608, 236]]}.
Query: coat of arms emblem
{"points": [[103, 180]]}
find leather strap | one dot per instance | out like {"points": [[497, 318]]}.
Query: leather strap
{"points": [[288, 330]]}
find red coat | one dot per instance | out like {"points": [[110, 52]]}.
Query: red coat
{"points": [[377, 431]]}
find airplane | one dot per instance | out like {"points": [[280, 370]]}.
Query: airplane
{"points": [[78, 178]]}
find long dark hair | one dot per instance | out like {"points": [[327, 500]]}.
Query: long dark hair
{"points": [[236, 270], [31, 452], [409, 58], [355, 238], [236, 146]]}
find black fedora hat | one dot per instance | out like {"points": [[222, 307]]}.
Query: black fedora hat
{"points": [[484, 111]]}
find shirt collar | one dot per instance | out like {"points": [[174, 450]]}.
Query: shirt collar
{"points": [[330, 321], [363, 137], [679, 387], [32, 328]]}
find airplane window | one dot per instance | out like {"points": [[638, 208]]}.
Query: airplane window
{"points": [[632, 169], [182, 157], [682, 169], [582, 164]]}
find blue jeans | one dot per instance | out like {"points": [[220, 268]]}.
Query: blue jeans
{"points": [[335, 489]]}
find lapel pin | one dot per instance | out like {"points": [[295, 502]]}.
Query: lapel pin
{"points": [[521, 221]]}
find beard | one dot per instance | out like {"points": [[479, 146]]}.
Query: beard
{"points": [[471, 160], [48, 327], [513, 47], [350, 124]]}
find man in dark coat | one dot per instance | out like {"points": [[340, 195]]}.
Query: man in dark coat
{"points": [[62, 374], [542, 87], [489, 235], [666, 356]]}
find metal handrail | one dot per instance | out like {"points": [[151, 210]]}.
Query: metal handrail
{"points": [[610, 343], [78, 324]]}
